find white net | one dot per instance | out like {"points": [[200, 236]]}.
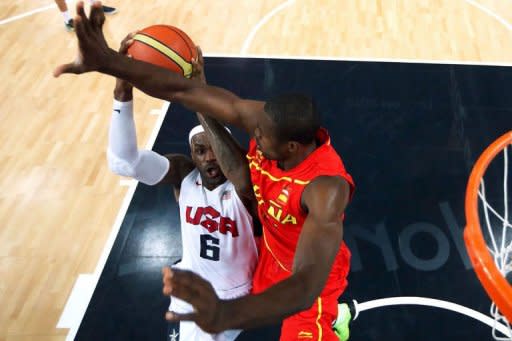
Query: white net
{"points": [[499, 239]]}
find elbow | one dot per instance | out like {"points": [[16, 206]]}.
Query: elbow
{"points": [[118, 166]]}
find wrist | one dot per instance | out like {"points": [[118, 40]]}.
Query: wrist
{"points": [[124, 106], [123, 93]]}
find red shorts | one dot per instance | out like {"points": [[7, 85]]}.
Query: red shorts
{"points": [[315, 323]]}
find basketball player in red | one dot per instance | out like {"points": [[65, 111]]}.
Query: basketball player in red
{"points": [[299, 181]]}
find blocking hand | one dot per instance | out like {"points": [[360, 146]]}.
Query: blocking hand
{"points": [[93, 50], [195, 290]]}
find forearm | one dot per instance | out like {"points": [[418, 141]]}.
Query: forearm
{"points": [[164, 84], [316, 250], [123, 91], [272, 306], [229, 154], [122, 141], [156, 81], [124, 157]]}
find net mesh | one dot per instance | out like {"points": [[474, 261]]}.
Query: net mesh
{"points": [[499, 239]]}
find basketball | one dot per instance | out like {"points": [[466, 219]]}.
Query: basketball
{"points": [[165, 46]]}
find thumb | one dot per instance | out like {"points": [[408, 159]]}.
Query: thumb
{"points": [[67, 68]]}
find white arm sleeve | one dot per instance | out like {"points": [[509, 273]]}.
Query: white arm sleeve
{"points": [[123, 156]]}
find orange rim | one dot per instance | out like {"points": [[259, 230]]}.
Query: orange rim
{"points": [[496, 286]]}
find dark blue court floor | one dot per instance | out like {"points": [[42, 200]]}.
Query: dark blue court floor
{"points": [[408, 133]]}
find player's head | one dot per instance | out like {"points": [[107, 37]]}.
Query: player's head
{"points": [[204, 159], [291, 121]]}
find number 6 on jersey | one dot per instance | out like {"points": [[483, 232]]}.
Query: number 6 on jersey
{"points": [[209, 247]]}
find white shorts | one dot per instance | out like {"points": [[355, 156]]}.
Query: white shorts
{"points": [[189, 331]]}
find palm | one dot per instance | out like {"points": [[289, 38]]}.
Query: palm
{"points": [[197, 291]]}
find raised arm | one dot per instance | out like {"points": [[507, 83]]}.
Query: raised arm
{"points": [[325, 200], [229, 154], [95, 55], [124, 157]]}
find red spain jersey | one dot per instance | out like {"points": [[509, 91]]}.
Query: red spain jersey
{"points": [[279, 192]]}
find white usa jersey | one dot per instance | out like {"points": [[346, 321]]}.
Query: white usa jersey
{"points": [[218, 238]]}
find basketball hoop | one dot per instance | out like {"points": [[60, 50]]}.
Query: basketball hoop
{"points": [[491, 255]]}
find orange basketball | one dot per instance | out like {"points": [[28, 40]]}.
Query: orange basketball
{"points": [[165, 46]]}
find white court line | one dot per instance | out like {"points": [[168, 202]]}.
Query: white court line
{"points": [[77, 313], [262, 22], [27, 14], [424, 301], [351, 59], [253, 32], [490, 13]]}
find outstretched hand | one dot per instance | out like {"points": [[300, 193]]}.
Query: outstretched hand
{"points": [[93, 50], [195, 290], [198, 67]]}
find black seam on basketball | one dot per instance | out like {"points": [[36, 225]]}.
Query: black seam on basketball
{"points": [[186, 40], [170, 48], [163, 54]]}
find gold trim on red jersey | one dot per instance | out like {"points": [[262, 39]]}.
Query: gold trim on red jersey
{"points": [[254, 165], [318, 317], [272, 253]]}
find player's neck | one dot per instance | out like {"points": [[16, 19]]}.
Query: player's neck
{"points": [[211, 185], [295, 159]]}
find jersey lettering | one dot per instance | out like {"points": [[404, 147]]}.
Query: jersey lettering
{"points": [[276, 213], [257, 194], [209, 218]]}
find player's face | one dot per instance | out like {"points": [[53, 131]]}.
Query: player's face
{"points": [[206, 162], [265, 135]]}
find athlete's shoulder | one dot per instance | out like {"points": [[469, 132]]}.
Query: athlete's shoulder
{"points": [[191, 179]]}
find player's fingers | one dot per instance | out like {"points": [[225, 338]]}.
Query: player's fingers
{"points": [[166, 272], [67, 68], [80, 11], [131, 34], [80, 29], [167, 290], [171, 316], [166, 281], [186, 293], [184, 277], [96, 15], [195, 67], [185, 285], [166, 275], [125, 46], [200, 55], [127, 41]]}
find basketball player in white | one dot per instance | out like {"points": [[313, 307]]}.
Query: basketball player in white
{"points": [[216, 213]]}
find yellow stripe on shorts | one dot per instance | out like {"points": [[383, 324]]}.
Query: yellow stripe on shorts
{"points": [[182, 63]]}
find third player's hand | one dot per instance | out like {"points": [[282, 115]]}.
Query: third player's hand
{"points": [[208, 308], [198, 67]]}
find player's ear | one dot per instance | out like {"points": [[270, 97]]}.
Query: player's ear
{"points": [[293, 146]]}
